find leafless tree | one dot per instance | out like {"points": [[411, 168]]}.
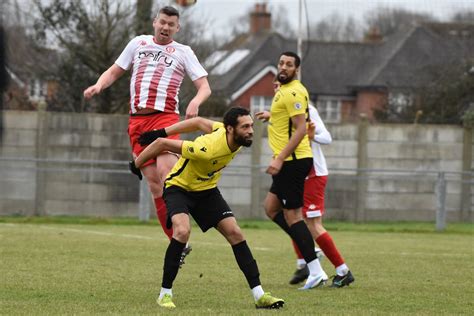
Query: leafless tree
{"points": [[463, 16], [336, 28], [90, 36], [390, 20]]}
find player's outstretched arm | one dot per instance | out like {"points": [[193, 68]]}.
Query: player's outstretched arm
{"points": [[158, 146], [104, 81], [186, 126], [203, 93]]}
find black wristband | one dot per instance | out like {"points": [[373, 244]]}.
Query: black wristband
{"points": [[161, 133], [149, 137]]}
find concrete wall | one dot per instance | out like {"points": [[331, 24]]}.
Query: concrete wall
{"points": [[52, 187], [368, 163]]}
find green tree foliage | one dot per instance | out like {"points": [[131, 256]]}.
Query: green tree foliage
{"points": [[90, 36], [447, 99]]}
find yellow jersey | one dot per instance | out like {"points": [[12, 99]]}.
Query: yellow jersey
{"points": [[202, 160], [290, 100]]}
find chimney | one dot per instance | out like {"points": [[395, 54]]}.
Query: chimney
{"points": [[260, 19], [373, 35]]}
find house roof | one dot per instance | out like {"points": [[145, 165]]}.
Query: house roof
{"points": [[338, 68], [264, 49], [425, 47]]}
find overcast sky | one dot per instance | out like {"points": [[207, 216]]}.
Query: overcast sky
{"points": [[223, 10]]}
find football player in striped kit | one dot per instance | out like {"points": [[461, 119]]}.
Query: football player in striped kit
{"points": [[158, 65]]}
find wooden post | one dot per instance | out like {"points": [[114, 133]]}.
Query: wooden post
{"points": [[466, 204]]}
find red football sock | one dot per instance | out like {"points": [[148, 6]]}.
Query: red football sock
{"points": [[161, 213], [329, 248], [297, 250]]}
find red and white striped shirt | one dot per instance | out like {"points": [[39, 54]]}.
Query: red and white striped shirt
{"points": [[157, 72]]}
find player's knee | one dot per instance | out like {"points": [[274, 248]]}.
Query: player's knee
{"points": [[234, 235], [155, 186], [271, 212], [181, 232], [319, 228], [292, 216]]}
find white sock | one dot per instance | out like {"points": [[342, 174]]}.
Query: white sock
{"points": [[315, 267], [257, 292], [300, 264], [342, 269], [165, 291]]}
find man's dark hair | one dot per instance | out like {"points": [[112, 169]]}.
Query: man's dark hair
{"points": [[232, 115], [291, 54], [169, 11]]}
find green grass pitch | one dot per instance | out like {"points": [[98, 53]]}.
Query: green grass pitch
{"points": [[52, 267]]}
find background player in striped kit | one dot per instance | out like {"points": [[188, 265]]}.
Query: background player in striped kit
{"points": [[158, 65]]}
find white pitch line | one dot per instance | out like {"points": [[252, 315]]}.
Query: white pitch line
{"points": [[93, 232]]}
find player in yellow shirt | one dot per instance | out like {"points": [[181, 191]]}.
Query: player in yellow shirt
{"points": [[191, 188], [291, 162]]}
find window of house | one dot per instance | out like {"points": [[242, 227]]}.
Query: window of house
{"points": [[260, 103], [31, 87], [400, 100], [37, 89], [329, 109]]}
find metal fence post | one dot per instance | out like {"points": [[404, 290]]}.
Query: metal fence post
{"points": [[144, 202], [441, 202]]}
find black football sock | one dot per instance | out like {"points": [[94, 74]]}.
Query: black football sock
{"points": [[247, 263], [299, 232], [280, 220], [171, 266]]}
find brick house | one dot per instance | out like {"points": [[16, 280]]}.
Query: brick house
{"points": [[30, 82], [344, 79]]}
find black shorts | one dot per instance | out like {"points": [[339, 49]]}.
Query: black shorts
{"points": [[207, 207], [288, 184]]}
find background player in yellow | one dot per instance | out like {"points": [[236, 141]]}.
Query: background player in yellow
{"points": [[291, 162], [191, 188]]}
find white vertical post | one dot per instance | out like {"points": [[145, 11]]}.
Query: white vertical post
{"points": [[299, 48]]}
